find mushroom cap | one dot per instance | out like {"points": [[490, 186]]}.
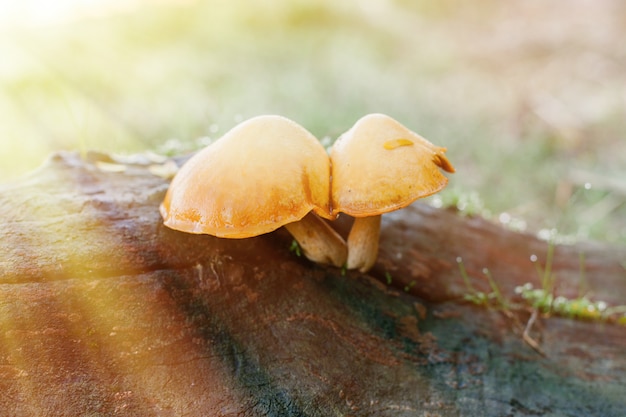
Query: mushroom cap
{"points": [[264, 173], [379, 166]]}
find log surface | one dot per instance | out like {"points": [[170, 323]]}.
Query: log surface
{"points": [[104, 311]]}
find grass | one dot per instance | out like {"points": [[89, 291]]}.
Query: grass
{"points": [[543, 300], [520, 102]]}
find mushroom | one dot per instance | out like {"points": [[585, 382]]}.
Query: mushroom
{"points": [[265, 173], [380, 166]]}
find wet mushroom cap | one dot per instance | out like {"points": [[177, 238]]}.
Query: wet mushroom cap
{"points": [[264, 173], [379, 166]]}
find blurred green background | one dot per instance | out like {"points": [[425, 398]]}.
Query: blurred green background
{"points": [[529, 97]]}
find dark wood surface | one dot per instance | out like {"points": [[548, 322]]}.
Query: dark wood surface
{"points": [[104, 311]]}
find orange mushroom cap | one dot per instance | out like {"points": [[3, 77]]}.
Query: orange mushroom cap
{"points": [[379, 166], [264, 173]]}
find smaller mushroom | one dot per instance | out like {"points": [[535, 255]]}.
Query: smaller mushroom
{"points": [[380, 166], [265, 173]]}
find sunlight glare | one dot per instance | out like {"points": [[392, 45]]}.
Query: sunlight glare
{"points": [[36, 13]]}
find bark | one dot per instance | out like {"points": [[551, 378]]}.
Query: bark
{"points": [[104, 311]]}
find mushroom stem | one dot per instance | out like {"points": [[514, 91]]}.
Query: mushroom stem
{"points": [[363, 243], [319, 242]]}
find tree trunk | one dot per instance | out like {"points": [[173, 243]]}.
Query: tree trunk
{"points": [[104, 311]]}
